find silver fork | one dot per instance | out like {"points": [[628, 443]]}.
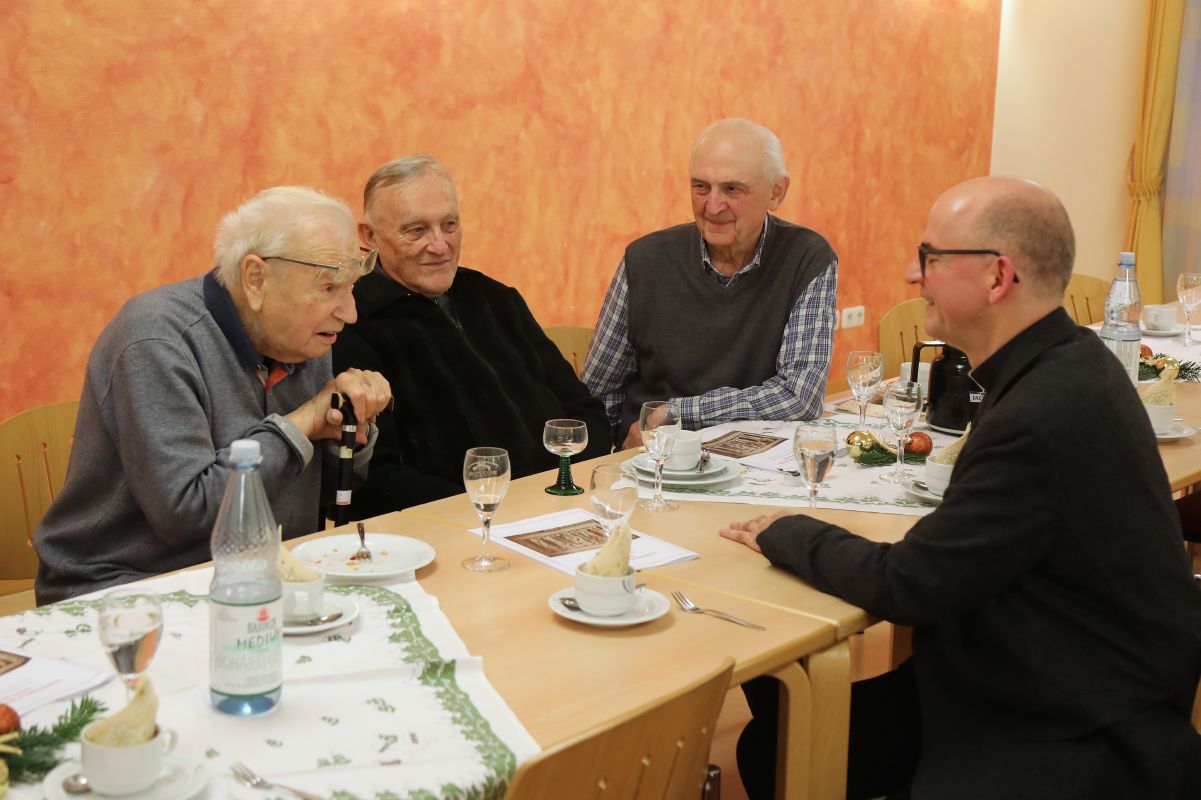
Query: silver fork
{"points": [[692, 608], [256, 781], [362, 554]]}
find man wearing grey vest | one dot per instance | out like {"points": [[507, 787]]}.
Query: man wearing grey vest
{"points": [[731, 317]]}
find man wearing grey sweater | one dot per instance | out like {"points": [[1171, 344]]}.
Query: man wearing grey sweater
{"points": [[184, 370]]}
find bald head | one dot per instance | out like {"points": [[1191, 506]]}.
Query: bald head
{"points": [[744, 136], [1023, 220]]}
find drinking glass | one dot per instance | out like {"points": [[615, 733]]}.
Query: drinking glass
{"points": [[902, 407], [814, 447], [565, 438], [614, 495], [1188, 291], [660, 424], [486, 478], [131, 625], [865, 369]]}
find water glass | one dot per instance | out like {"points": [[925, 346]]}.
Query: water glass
{"points": [[486, 478], [614, 495], [1188, 292], [902, 407], [660, 424], [131, 626], [865, 370], [814, 446], [565, 438]]}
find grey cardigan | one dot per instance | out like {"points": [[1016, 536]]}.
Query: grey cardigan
{"points": [[170, 383]]}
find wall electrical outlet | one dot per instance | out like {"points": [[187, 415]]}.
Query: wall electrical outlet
{"points": [[852, 317]]}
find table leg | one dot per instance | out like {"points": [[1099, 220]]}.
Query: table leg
{"points": [[830, 678], [793, 765]]}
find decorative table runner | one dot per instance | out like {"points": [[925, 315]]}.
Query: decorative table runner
{"points": [[389, 706], [848, 485]]}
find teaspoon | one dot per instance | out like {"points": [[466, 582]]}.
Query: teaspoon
{"points": [[318, 620], [76, 784]]}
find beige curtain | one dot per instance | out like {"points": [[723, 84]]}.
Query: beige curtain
{"points": [[1144, 173]]}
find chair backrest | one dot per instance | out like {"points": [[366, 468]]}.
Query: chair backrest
{"points": [[34, 448], [573, 342], [658, 752], [1084, 299], [900, 327]]}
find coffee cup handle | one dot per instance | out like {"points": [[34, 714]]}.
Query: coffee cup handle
{"points": [[168, 737]]}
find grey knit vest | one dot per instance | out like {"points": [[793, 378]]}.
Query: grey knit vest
{"points": [[691, 334]]}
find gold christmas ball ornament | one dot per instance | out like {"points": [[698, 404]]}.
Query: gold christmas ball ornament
{"points": [[860, 439]]}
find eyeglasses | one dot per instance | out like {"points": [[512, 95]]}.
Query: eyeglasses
{"points": [[924, 250], [355, 267]]}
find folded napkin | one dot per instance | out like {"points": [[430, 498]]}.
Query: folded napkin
{"points": [[948, 454], [292, 569], [1163, 391], [613, 559], [133, 725]]}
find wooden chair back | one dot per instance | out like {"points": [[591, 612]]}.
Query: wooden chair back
{"points": [[900, 328], [34, 448], [573, 342], [658, 752], [1084, 299]]}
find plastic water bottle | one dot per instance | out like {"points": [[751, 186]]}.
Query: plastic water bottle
{"points": [[1123, 307], [245, 611]]}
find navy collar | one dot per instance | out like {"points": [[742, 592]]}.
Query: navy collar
{"points": [[223, 311]]}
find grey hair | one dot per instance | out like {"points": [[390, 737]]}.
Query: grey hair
{"points": [[1037, 233], [400, 171], [275, 222], [773, 151]]}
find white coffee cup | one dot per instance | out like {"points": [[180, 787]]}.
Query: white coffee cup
{"points": [[603, 596], [303, 600], [923, 373], [124, 770], [1159, 318], [1162, 418], [937, 475], [687, 452]]}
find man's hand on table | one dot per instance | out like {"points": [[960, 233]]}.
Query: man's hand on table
{"points": [[633, 438], [367, 392], [748, 532]]}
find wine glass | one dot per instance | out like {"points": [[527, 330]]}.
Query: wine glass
{"points": [[865, 369], [814, 447], [131, 625], [614, 495], [902, 407], [565, 438], [660, 424], [1188, 291], [486, 478]]}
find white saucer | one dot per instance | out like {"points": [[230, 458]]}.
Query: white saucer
{"points": [[392, 555], [728, 472], [181, 778], [919, 494], [332, 603], [644, 463], [1178, 432], [650, 605], [1175, 330]]}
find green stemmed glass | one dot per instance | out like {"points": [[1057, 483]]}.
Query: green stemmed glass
{"points": [[565, 438]]}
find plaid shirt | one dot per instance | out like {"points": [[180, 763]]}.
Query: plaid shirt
{"points": [[797, 389]]}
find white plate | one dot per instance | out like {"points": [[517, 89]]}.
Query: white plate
{"points": [[729, 471], [392, 555], [331, 604], [650, 605], [1175, 330], [644, 463], [1178, 432], [181, 778], [919, 494]]}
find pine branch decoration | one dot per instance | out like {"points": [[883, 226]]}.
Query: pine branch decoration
{"points": [[40, 746]]}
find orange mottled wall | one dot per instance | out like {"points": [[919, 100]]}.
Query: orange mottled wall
{"points": [[127, 127]]}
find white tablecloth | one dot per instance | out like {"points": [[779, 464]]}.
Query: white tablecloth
{"points": [[396, 684]]}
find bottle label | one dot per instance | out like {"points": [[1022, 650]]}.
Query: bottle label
{"points": [[246, 648], [342, 498]]}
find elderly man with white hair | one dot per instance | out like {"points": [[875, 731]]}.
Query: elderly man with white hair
{"points": [[242, 352], [731, 317]]}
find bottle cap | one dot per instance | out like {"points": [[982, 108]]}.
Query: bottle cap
{"points": [[245, 452], [1126, 259]]}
